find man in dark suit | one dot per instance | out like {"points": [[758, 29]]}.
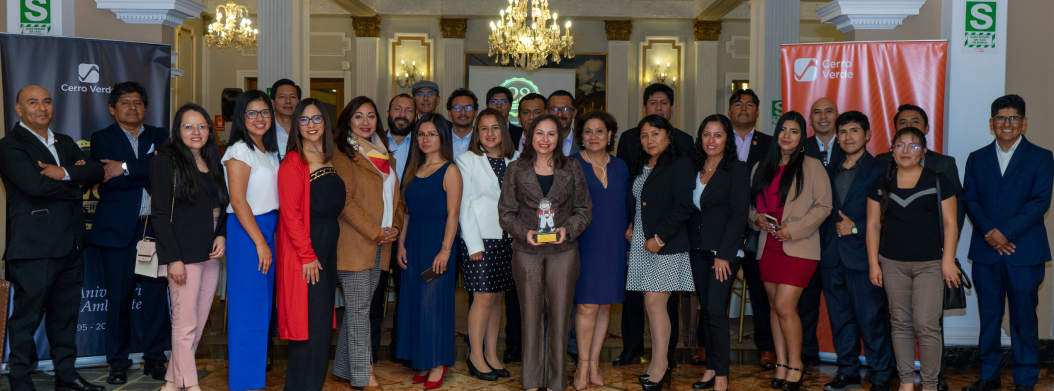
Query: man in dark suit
{"points": [[915, 116], [1007, 192], [658, 99], [121, 216], [500, 98], [856, 307], [751, 147], [562, 105], [43, 173]]}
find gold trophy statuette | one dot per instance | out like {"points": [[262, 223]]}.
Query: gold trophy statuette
{"points": [[546, 222]]}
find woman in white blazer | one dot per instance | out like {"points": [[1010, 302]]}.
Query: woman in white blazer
{"points": [[487, 249]]}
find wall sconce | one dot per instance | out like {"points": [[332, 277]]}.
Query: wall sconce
{"points": [[407, 75], [661, 74]]}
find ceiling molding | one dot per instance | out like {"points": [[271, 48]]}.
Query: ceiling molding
{"points": [[718, 9], [577, 9], [849, 15], [358, 7], [170, 13]]}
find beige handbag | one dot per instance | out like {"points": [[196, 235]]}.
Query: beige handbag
{"points": [[146, 250]]}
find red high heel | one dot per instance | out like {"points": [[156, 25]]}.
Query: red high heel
{"points": [[436, 384], [420, 379]]}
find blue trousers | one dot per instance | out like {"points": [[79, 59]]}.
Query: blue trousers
{"points": [[996, 284], [857, 308], [248, 302]]}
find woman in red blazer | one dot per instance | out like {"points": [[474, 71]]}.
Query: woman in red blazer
{"points": [[311, 196]]}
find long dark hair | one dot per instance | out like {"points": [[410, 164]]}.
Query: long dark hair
{"points": [[891, 171], [770, 164], [183, 166], [730, 154], [340, 137], [672, 151], [530, 154], [415, 157], [240, 132], [296, 142]]}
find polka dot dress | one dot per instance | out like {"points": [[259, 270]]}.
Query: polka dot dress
{"points": [[494, 273], [654, 272]]}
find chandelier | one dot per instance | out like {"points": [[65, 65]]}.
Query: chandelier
{"points": [[525, 35], [234, 29]]}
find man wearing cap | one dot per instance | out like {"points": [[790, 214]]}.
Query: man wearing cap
{"points": [[426, 97]]}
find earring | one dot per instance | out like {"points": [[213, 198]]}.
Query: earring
{"points": [[802, 149]]}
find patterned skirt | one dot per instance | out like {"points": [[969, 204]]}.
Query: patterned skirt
{"points": [[493, 274]]}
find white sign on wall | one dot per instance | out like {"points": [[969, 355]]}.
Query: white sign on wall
{"points": [[34, 17]]}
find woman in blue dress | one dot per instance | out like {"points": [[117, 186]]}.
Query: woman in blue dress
{"points": [[426, 310], [602, 247]]}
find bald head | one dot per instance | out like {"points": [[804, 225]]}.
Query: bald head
{"points": [[33, 105], [822, 116]]}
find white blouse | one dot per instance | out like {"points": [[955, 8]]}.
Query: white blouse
{"points": [[699, 186], [262, 192]]}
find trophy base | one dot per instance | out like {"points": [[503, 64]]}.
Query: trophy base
{"points": [[546, 238]]}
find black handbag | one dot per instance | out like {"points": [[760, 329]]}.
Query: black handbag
{"points": [[954, 297]]}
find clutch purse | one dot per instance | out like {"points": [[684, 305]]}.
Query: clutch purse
{"points": [[955, 297], [146, 263]]}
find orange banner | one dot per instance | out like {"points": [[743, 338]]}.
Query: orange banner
{"points": [[870, 77]]}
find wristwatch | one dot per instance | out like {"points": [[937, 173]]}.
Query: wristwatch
{"points": [[854, 229], [124, 166]]}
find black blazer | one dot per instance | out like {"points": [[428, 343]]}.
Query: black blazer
{"points": [[45, 217], [666, 204], [184, 229], [850, 250], [515, 132], [722, 214], [812, 149], [121, 197], [759, 147], [943, 164], [629, 145]]}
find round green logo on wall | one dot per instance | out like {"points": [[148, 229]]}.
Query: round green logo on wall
{"points": [[520, 87]]}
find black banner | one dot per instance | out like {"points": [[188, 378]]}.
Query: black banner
{"points": [[79, 73]]}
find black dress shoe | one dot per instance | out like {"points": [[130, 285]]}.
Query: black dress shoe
{"points": [[984, 385], [155, 369], [500, 372], [117, 375], [1022, 388], [513, 353], [77, 385], [472, 371], [942, 385], [642, 378], [704, 385], [777, 384], [649, 385], [794, 385], [843, 383], [878, 385], [626, 359]]}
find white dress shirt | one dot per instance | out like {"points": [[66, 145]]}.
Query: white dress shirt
{"points": [[401, 152], [1004, 157], [283, 139], [743, 144], [460, 144], [826, 148], [144, 206], [50, 144]]}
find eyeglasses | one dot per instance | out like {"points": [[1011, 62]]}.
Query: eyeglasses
{"points": [[460, 108], [426, 135], [556, 110], [189, 128], [499, 101], [316, 119], [424, 94], [252, 114], [911, 148], [1002, 119]]}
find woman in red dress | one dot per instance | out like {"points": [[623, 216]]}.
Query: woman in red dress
{"points": [[790, 198]]}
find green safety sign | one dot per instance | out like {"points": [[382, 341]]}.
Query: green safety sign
{"points": [[980, 24], [35, 17]]}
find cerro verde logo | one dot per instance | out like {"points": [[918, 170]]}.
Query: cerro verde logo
{"points": [[806, 69], [810, 69], [88, 73]]}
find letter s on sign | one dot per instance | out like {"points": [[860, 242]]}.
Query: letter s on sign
{"points": [[39, 12], [982, 18]]}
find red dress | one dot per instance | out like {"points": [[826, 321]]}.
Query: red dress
{"points": [[776, 266]]}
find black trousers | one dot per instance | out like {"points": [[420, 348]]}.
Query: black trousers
{"points": [[50, 287], [633, 323], [309, 360], [713, 298], [155, 322], [513, 320]]}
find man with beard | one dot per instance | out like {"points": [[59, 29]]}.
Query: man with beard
{"points": [[402, 116], [500, 98], [461, 107], [562, 105], [822, 145], [285, 94]]}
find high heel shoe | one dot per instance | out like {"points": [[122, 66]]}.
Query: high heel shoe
{"points": [[777, 384], [667, 378], [642, 378], [598, 380], [418, 379], [704, 385], [585, 383], [436, 384], [794, 386], [472, 371], [500, 372]]}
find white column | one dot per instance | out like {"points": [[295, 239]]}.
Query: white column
{"points": [[618, 82], [772, 23], [706, 84], [453, 66], [283, 44], [366, 75], [974, 80]]}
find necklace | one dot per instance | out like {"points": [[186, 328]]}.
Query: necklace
{"points": [[603, 168], [196, 158]]}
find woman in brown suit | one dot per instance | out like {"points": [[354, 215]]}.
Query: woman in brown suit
{"points": [[370, 222], [545, 273], [790, 197]]}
